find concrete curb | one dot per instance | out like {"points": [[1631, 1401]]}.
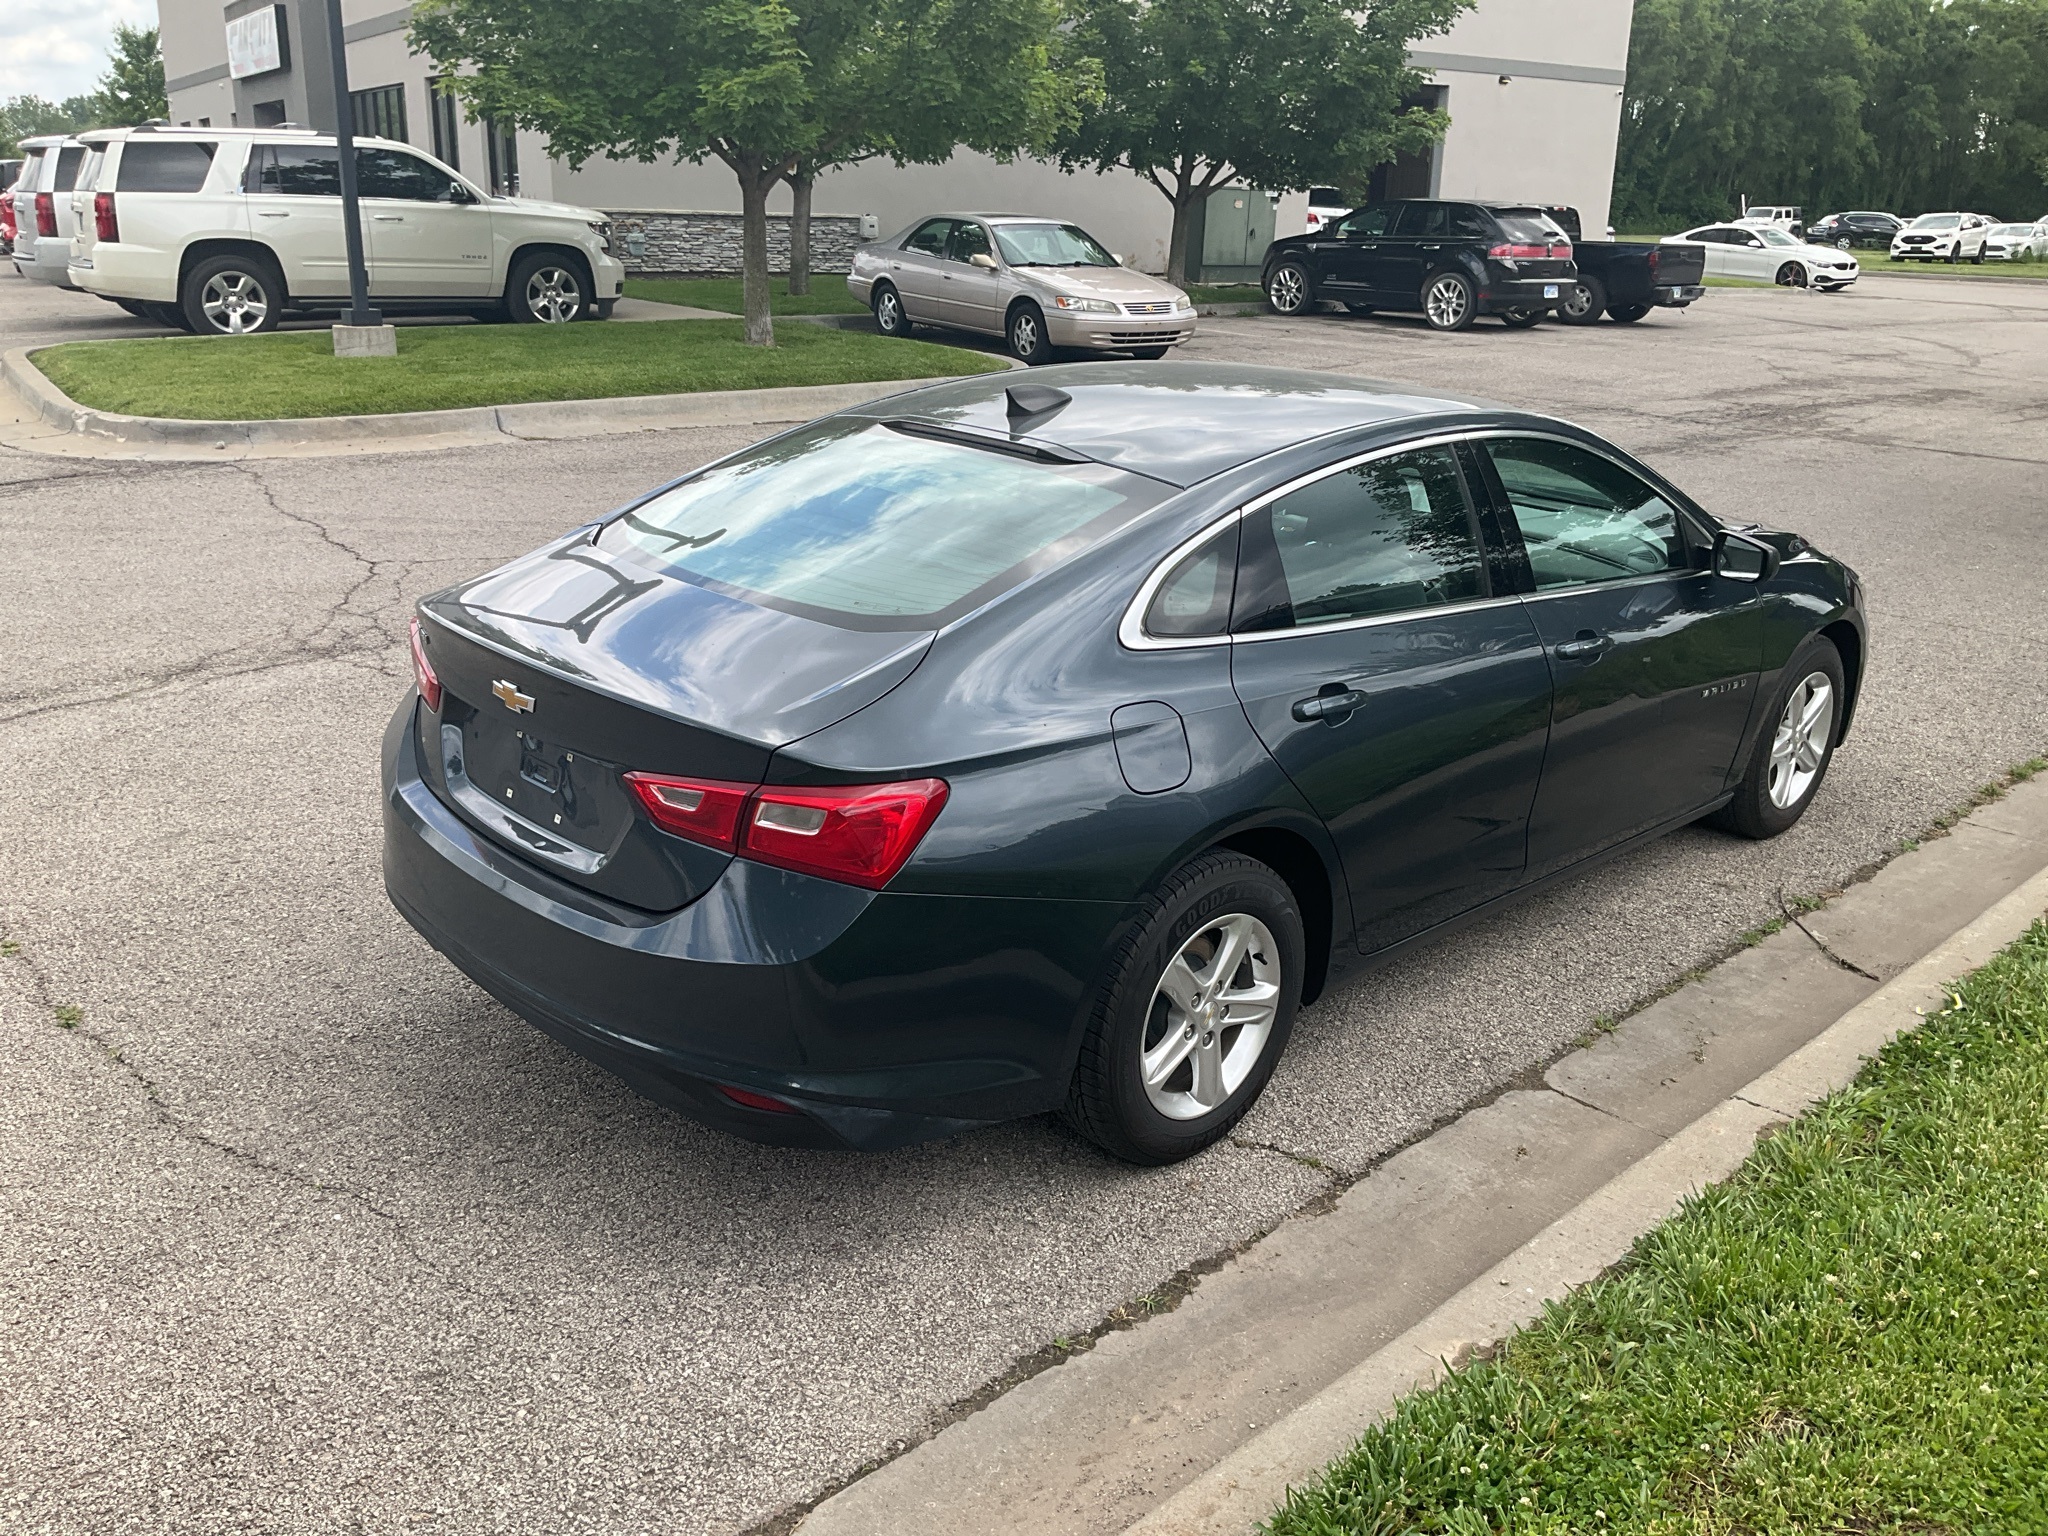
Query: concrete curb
{"points": [[1233, 1496], [543, 419]]}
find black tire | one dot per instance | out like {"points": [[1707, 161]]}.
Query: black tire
{"points": [[1627, 314], [1791, 275], [1108, 1101], [1978, 259], [232, 295], [1583, 301], [547, 288], [1290, 289], [1448, 302], [1358, 309], [1025, 333], [602, 309], [139, 308], [1755, 812], [1148, 354], [1522, 319], [1955, 253], [887, 305]]}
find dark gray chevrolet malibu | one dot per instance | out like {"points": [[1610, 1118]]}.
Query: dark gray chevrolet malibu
{"points": [[1003, 748]]}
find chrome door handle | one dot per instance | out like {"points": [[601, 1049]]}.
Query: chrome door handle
{"points": [[1586, 646], [388, 218], [1333, 707], [263, 215]]}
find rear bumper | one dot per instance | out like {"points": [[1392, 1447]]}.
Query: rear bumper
{"points": [[1524, 293], [880, 1019], [1677, 296], [121, 271], [51, 262]]}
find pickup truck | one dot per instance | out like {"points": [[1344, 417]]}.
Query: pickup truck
{"points": [[1626, 279]]}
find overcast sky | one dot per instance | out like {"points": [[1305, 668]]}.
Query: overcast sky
{"points": [[58, 48]]}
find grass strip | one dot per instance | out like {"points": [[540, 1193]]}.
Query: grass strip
{"points": [[296, 374], [828, 295], [1849, 1335]]}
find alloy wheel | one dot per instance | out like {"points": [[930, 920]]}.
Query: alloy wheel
{"points": [[1577, 301], [1288, 290], [234, 303], [888, 312], [1446, 302], [1024, 333], [1799, 749], [1791, 275], [1211, 1017], [553, 295]]}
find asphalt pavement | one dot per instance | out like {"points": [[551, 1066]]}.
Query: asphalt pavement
{"points": [[302, 1232]]}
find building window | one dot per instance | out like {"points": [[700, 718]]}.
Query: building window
{"points": [[268, 114], [445, 117], [504, 157], [379, 112]]}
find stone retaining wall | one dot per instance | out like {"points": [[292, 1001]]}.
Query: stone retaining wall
{"points": [[677, 242]]}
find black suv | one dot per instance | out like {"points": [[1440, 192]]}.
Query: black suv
{"points": [[1452, 261], [1850, 229]]}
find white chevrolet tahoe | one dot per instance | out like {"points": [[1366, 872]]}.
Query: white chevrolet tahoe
{"points": [[226, 231]]}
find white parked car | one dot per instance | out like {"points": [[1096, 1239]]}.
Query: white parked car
{"points": [[2016, 242], [1771, 216], [43, 223], [1326, 205], [227, 230], [1942, 237], [1767, 254]]}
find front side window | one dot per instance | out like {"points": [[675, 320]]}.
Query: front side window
{"points": [[395, 174], [1383, 537], [873, 526], [1776, 237], [1583, 517], [930, 237], [172, 165], [1051, 245], [294, 170], [1368, 223]]}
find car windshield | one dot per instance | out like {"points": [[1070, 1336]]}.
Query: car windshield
{"points": [[1776, 237], [2014, 229], [1051, 245], [1938, 221], [873, 526]]}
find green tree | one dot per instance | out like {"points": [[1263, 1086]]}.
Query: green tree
{"points": [[1284, 94], [132, 89], [25, 117], [764, 86]]}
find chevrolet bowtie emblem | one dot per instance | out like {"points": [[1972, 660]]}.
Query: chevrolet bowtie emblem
{"points": [[508, 694]]}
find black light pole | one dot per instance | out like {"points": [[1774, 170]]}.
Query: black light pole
{"points": [[359, 311]]}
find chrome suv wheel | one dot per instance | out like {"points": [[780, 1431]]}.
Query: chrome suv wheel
{"points": [[232, 296], [547, 290], [1211, 1016], [1448, 303], [1288, 290]]}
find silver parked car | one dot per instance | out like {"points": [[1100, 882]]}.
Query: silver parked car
{"points": [[1038, 283]]}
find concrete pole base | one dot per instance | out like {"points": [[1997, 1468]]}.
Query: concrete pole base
{"points": [[365, 341]]}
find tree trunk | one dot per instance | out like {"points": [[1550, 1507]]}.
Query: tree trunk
{"points": [[756, 180], [1184, 205], [800, 185]]}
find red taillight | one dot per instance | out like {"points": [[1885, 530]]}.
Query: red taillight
{"points": [[860, 833], [1656, 255], [705, 811], [422, 670], [746, 1098], [46, 215], [105, 225]]}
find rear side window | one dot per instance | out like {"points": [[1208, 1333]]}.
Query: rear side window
{"points": [[872, 527], [930, 237], [1585, 518], [68, 161], [1382, 537], [163, 166], [294, 170], [1469, 223], [89, 171], [1419, 219], [1195, 597], [1530, 226], [31, 164]]}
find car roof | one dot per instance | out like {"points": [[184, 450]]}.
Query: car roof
{"points": [[1180, 422]]}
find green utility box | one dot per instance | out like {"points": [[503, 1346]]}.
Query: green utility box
{"points": [[1230, 235]]}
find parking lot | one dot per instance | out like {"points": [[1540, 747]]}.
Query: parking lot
{"points": [[305, 1233]]}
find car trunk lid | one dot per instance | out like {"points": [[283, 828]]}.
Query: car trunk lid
{"points": [[566, 670]]}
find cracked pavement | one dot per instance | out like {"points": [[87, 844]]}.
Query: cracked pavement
{"points": [[305, 1233]]}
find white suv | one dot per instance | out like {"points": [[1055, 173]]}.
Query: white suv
{"points": [[225, 231], [43, 223]]}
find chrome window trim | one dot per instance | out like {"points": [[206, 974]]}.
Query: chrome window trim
{"points": [[1131, 632], [1680, 506]]}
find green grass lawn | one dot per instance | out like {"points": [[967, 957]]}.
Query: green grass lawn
{"points": [[1851, 1335], [288, 374], [828, 295], [1881, 261]]}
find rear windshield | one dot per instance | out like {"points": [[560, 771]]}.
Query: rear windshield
{"points": [[871, 527], [1530, 226], [171, 165], [67, 168]]}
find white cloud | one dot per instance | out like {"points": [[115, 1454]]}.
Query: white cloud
{"points": [[58, 48]]}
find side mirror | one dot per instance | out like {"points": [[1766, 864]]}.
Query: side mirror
{"points": [[1744, 559], [983, 260]]}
